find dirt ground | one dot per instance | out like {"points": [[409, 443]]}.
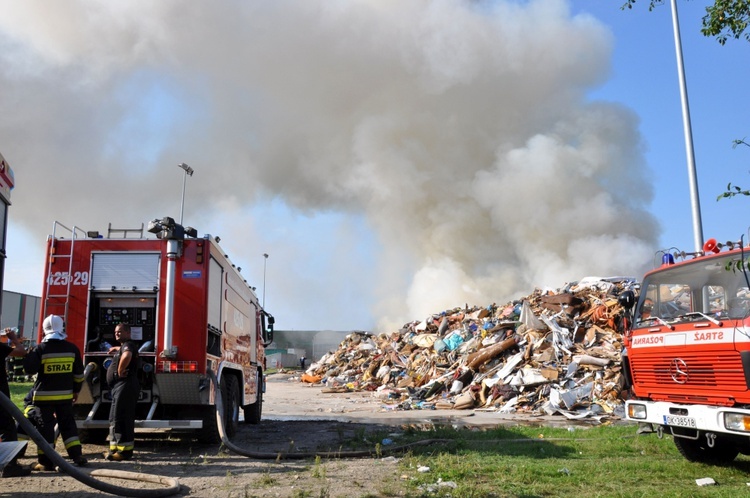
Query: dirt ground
{"points": [[296, 418]]}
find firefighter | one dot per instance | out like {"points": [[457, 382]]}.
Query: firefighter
{"points": [[15, 368], [33, 414], [122, 377], [59, 370], [7, 424], [647, 309]]}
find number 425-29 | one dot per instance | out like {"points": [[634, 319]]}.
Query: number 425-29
{"points": [[63, 278]]}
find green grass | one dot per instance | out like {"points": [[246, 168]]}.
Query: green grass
{"points": [[18, 390], [605, 461], [534, 461]]}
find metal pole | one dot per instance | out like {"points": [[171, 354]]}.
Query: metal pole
{"points": [[694, 198], [265, 260], [173, 248], [182, 202], [188, 172]]}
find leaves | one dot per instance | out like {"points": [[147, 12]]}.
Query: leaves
{"points": [[736, 265], [724, 19], [732, 191], [727, 19]]}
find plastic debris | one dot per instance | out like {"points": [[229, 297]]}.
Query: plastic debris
{"points": [[551, 352], [705, 481]]}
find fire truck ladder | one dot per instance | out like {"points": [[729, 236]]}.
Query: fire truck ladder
{"points": [[57, 301]]}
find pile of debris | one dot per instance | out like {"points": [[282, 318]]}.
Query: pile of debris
{"points": [[552, 352]]}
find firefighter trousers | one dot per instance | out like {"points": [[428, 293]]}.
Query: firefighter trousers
{"points": [[62, 415], [7, 426], [122, 418]]}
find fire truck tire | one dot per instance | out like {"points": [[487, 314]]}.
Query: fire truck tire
{"points": [[698, 450], [230, 394], [254, 411]]}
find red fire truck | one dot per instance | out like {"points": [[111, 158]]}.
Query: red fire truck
{"points": [[7, 182], [687, 352], [188, 307]]}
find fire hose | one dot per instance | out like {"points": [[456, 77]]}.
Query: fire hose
{"points": [[88, 478], [173, 486], [378, 451]]}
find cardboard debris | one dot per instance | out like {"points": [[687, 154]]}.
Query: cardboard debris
{"points": [[548, 353]]}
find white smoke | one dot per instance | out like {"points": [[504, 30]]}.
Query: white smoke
{"points": [[459, 130]]}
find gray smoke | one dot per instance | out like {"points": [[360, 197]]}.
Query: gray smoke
{"points": [[459, 131]]}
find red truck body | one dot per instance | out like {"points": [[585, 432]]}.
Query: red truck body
{"points": [[687, 353], [189, 309]]}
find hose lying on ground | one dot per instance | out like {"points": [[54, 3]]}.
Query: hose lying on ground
{"points": [[379, 451], [173, 486]]}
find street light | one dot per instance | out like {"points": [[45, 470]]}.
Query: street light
{"points": [[188, 172], [694, 198], [265, 260]]}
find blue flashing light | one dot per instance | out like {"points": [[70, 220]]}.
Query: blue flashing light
{"points": [[667, 259]]}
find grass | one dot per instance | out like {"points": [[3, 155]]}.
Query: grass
{"points": [[605, 461], [534, 461], [18, 390]]}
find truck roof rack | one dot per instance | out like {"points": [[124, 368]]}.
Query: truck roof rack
{"points": [[124, 232]]}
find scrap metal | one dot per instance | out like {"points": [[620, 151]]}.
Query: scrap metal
{"points": [[551, 352]]}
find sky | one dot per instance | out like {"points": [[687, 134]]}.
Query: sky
{"points": [[393, 159]]}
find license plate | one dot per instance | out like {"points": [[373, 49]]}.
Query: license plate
{"points": [[679, 421]]}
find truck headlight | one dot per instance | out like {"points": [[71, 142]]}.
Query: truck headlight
{"points": [[636, 411], [737, 421]]}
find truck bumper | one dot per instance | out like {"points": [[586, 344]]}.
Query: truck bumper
{"points": [[144, 424], [681, 418]]}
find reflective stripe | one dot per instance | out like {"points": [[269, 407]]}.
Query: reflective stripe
{"points": [[53, 395], [125, 447], [53, 356], [74, 441]]}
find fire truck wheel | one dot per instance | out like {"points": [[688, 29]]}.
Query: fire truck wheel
{"points": [[230, 394], [698, 450], [254, 411]]}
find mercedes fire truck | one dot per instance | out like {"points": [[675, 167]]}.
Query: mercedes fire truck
{"points": [[687, 352], [189, 309]]}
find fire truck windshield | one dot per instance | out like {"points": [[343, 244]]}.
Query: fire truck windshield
{"points": [[701, 289]]}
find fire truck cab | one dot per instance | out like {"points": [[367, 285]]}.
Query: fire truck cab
{"points": [[687, 352], [189, 309]]}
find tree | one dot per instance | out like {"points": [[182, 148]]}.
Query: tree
{"points": [[724, 19], [733, 190]]}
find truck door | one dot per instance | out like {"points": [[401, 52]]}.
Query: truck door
{"points": [[124, 287], [215, 279]]}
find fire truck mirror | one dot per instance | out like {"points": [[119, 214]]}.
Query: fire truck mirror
{"points": [[626, 299], [268, 321]]}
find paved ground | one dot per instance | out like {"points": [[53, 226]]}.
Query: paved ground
{"points": [[289, 399], [297, 418]]}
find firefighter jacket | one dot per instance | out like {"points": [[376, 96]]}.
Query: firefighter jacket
{"points": [[59, 370]]}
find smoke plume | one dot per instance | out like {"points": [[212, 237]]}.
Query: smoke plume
{"points": [[458, 132]]}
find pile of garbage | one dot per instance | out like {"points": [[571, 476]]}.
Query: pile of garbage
{"points": [[552, 352]]}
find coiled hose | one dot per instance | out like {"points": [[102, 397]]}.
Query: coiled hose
{"points": [[378, 451], [173, 486]]}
